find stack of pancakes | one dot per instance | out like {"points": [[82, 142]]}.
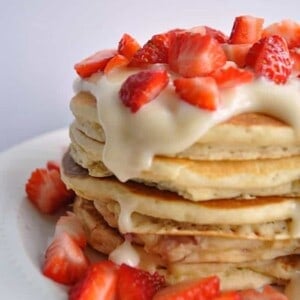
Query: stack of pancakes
{"points": [[227, 206]]}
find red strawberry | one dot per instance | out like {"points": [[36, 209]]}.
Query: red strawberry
{"points": [[99, 282], [116, 62], [46, 190], [199, 91], [237, 53], [65, 261], [232, 76], [268, 293], [140, 88], [154, 51], [94, 63], [229, 296], [128, 46], [204, 289], [270, 57], [287, 29], [295, 56], [53, 165], [192, 54], [136, 284], [71, 225], [205, 30], [246, 30]]}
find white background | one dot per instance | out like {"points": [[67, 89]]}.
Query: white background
{"points": [[41, 40]]}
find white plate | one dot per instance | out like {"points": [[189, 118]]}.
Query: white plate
{"points": [[24, 233]]}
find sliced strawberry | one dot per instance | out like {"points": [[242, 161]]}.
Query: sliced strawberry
{"points": [[136, 284], [268, 293], [94, 63], [287, 29], [128, 46], [217, 34], [295, 56], [246, 30], [232, 76], [237, 53], [199, 91], [233, 295], [269, 57], [192, 54], [53, 165], [116, 62], [140, 88], [154, 51], [204, 289], [99, 282], [46, 190], [65, 261], [71, 225]]}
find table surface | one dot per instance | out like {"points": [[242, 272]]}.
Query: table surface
{"points": [[41, 41]]}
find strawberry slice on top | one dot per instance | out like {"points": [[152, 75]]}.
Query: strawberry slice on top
{"points": [[193, 54], [142, 87], [128, 46], [246, 30], [269, 57]]}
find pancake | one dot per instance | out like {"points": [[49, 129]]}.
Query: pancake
{"points": [[241, 137], [201, 180]]}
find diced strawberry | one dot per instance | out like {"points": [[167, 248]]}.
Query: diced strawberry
{"points": [[154, 51], [199, 91], [192, 54], [71, 225], [142, 87], [295, 56], [246, 30], [237, 53], [136, 284], [268, 293], [128, 46], [233, 295], [53, 165], [270, 57], [94, 63], [232, 76], [46, 190], [116, 62], [204, 289], [217, 34], [99, 282], [65, 261], [287, 29]]}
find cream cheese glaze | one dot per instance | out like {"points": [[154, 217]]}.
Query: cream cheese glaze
{"points": [[168, 125]]}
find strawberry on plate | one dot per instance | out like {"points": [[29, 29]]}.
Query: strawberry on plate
{"points": [[46, 190], [94, 63], [65, 261], [99, 282], [193, 54], [269, 57], [199, 91], [136, 284], [128, 46], [142, 87], [246, 30], [231, 76], [267, 293], [71, 225], [116, 62], [204, 289], [237, 53]]}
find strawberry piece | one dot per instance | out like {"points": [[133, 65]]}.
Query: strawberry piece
{"points": [[99, 282], [270, 57], [128, 46], [204, 289], [268, 293], [154, 51], [94, 63], [287, 29], [246, 30], [295, 57], [192, 54], [116, 62], [65, 261], [199, 91], [237, 53], [53, 165], [232, 76], [46, 190], [71, 225], [141, 88], [136, 284], [216, 34], [233, 295]]}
